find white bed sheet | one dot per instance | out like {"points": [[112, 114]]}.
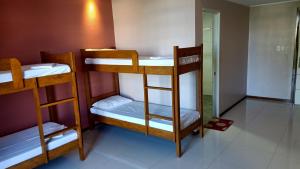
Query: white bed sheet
{"points": [[36, 70], [24, 145], [133, 112], [143, 61]]}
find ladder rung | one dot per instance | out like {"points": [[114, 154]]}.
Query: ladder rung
{"points": [[160, 117], [59, 132], [57, 102], [159, 88]]}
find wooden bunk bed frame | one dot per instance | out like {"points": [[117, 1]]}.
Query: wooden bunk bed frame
{"points": [[174, 71], [19, 84]]}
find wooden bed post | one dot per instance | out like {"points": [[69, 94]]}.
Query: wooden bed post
{"points": [[177, 102], [88, 95], [116, 83], [88, 92], [146, 103], [200, 81]]}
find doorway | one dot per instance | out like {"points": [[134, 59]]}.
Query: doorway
{"points": [[211, 45]]}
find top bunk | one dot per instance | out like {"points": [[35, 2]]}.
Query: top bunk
{"points": [[128, 61], [54, 69]]}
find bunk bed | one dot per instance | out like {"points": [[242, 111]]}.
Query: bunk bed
{"points": [[35, 146], [169, 122]]}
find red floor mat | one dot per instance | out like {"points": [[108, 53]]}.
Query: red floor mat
{"points": [[219, 124]]}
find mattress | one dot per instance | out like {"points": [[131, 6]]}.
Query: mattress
{"points": [[143, 61], [133, 112], [24, 145], [36, 70]]}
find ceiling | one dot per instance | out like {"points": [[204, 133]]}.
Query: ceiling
{"points": [[257, 2]]}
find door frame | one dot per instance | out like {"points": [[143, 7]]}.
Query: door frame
{"points": [[296, 57], [216, 60]]}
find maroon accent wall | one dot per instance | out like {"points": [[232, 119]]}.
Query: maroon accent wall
{"points": [[30, 26]]}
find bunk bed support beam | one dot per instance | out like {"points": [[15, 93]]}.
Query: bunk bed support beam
{"points": [[201, 101], [199, 75], [88, 94], [146, 103], [177, 101]]}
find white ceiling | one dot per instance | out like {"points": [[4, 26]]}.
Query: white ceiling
{"points": [[257, 2]]}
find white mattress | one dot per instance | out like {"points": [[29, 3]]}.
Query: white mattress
{"points": [[24, 145], [143, 61], [133, 112], [36, 70]]}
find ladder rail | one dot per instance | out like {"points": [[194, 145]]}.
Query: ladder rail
{"points": [[40, 122], [77, 116]]}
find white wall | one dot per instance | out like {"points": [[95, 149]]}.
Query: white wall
{"points": [[270, 62], [153, 27]]}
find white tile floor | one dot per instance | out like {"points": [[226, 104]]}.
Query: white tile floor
{"points": [[265, 135]]}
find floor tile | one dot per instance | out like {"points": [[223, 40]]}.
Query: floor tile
{"points": [[265, 135]]}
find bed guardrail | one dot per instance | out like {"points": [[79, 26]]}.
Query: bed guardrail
{"points": [[64, 58], [187, 52], [13, 65], [111, 54]]}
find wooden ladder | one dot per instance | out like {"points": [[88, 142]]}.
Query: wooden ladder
{"points": [[175, 108], [51, 105], [148, 115]]}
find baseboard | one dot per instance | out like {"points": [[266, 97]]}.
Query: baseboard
{"points": [[254, 97], [269, 98], [231, 107]]}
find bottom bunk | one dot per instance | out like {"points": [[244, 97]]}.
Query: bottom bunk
{"points": [[127, 110], [25, 145]]}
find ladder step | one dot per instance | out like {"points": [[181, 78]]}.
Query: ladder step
{"points": [[160, 117], [59, 132], [57, 102], [159, 88]]}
